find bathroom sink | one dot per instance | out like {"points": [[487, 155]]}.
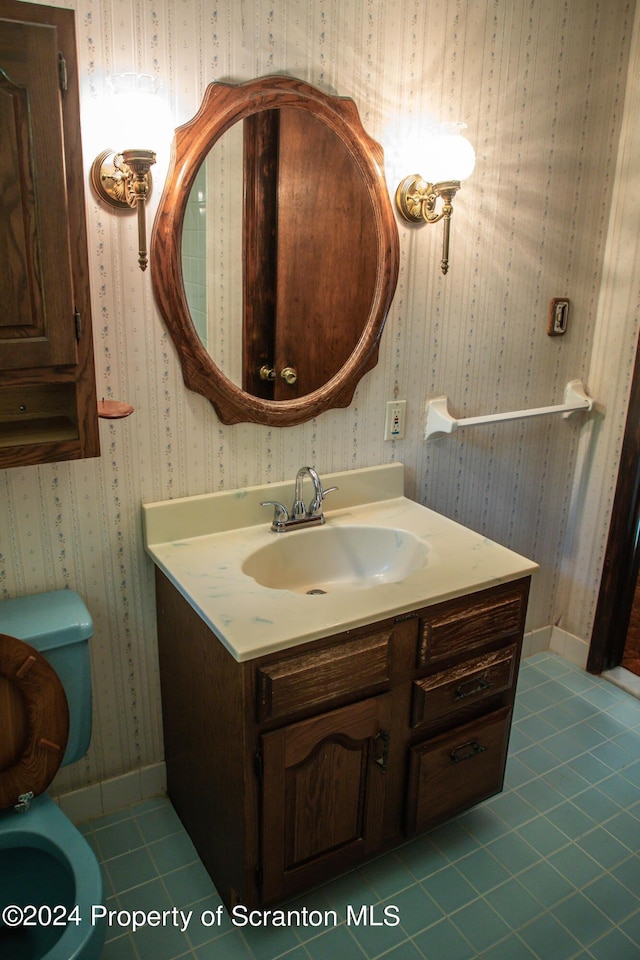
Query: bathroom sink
{"points": [[378, 555], [329, 559]]}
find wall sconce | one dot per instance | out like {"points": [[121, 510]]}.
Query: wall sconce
{"points": [[449, 159], [124, 181], [132, 114]]}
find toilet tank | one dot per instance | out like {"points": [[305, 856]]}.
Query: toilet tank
{"points": [[59, 625]]}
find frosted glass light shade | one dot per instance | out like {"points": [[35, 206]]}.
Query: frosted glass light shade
{"points": [[142, 118], [129, 113], [447, 154]]}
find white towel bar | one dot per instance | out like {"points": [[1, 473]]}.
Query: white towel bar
{"points": [[440, 422]]}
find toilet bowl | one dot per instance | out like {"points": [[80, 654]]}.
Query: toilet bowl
{"points": [[45, 861], [49, 877]]}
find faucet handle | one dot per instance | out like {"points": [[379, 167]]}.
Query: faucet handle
{"points": [[280, 512], [316, 505]]}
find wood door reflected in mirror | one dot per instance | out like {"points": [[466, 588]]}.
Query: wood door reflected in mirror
{"points": [[280, 179]]}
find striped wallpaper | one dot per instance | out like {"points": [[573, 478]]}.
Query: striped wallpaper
{"points": [[541, 85]]}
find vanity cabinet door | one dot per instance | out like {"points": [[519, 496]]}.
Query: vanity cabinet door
{"points": [[323, 795]]}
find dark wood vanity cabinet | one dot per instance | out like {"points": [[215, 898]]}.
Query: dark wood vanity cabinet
{"points": [[292, 767]]}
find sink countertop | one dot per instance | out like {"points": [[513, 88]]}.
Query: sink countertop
{"points": [[201, 542]]}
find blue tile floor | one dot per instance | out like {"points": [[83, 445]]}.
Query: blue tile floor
{"points": [[549, 869]]}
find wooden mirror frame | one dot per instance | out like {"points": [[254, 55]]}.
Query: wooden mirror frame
{"points": [[223, 105]]}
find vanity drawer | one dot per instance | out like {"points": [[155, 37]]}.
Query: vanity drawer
{"points": [[457, 769], [458, 626], [470, 682], [319, 677]]}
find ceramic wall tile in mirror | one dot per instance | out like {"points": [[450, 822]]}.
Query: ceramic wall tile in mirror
{"points": [[277, 176]]}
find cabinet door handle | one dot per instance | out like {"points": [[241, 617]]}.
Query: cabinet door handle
{"points": [[470, 687], [472, 748], [381, 746]]}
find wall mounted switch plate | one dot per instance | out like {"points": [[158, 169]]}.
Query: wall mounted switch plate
{"points": [[558, 317], [395, 418]]}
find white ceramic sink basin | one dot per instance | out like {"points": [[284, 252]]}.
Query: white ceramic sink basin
{"points": [[328, 559]]}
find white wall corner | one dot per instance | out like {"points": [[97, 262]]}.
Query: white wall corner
{"points": [[536, 641], [569, 647]]}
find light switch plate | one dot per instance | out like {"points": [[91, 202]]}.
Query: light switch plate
{"points": [[558, 317]]}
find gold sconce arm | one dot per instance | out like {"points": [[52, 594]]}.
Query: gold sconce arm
{"points": [[123, 180], [416, 201]]}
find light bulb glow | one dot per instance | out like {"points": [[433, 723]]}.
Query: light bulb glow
{"points": [[142, 116], [129, 113], [447, 154]]}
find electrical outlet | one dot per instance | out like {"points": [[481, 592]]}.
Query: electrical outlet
{"points": [[395, 418]]}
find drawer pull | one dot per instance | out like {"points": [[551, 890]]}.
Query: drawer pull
{"points": [[472, 747], [381, 741], [470, 687]]}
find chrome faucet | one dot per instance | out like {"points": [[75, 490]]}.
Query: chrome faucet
{"points": [[300, 514]]}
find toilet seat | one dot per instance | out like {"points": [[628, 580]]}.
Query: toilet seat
{"points": [[35, 716]]}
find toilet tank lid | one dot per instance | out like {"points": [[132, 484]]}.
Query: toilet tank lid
{"points": [[47, 620]]}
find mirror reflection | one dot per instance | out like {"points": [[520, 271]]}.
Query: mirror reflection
{"points": [[212, 253], [302, 237]]}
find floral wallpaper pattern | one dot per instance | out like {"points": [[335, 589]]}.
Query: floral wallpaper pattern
{"points": [[549, 91]]}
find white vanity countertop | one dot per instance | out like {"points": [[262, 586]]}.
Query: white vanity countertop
{"points": [[201, 542]]}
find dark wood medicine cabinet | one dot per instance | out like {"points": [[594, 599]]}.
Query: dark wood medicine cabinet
{"points": [[48, 408]]}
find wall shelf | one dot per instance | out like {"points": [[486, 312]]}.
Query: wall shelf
{"points": [[439, 421]]}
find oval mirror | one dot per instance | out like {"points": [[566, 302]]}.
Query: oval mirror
{"points": [[274, 253]]}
